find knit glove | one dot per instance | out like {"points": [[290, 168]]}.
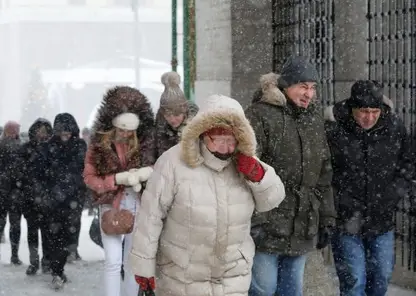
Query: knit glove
{"points": [[140, 175], [122, 178], [250, 167], [146, 284]]}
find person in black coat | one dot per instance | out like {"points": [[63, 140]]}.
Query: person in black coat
{"points": [[32, 188], [10, 193], [372, 164], [64, 162]]}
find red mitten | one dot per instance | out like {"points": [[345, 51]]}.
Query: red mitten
{"points": [[249, 167], [146, 284]]}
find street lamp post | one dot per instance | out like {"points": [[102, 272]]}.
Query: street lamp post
{"points": [[137, 42], [189, 47], [174, 61]]}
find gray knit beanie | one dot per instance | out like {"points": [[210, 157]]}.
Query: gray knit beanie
{"points": [[173, 99], [297, 69]]}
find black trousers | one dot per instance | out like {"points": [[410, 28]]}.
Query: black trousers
{"points": [[36, 222], [76, 223], [15, 217], [62, 227]]}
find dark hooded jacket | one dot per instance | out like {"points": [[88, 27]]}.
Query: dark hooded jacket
{"points": [[30, 168], [372, 169], [165, 136], [293, 142], [10, 194], [64, 162]]}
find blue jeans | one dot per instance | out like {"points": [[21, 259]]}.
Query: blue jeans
{"points": [[277, 275], [364, 265]]}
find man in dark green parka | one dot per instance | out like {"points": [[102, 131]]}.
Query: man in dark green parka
{"points": [[291, 138]]}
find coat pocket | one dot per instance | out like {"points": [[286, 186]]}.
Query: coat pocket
{"points": [[244, 262], [281, 222]]}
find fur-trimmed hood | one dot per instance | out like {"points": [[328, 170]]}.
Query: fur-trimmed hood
{"points": [[217, 111], [269, 91], [118, 100], [333, 113]]}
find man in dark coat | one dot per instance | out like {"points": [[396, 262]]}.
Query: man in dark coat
{"points": [[291, 138], [10, 191], [371, 158], [64, 163], [29, 170]]}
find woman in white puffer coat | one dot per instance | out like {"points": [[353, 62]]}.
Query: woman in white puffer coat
{"points": [[193, 228]]}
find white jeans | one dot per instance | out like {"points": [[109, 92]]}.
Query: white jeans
{"points": [[113, 284]]}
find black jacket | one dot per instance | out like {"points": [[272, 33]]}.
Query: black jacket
{"points": [[10, 193], [64, 162], [31, 168], [372, 170]]}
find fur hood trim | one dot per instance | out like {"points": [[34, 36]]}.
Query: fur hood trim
{"points": [[119, 100], [217, 111], [270, 91], [330, 115]]}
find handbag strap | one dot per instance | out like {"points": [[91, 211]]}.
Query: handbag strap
{"points": [[117, 200]]}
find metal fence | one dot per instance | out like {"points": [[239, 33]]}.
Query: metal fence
{"points": [[392, 52], [306, 27]]}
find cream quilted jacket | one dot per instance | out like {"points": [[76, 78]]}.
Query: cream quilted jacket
{"points": [[193, 226]]}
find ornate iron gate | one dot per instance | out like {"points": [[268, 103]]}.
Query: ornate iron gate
{"points": [[392, 52], [392, 61], [306, 28]]}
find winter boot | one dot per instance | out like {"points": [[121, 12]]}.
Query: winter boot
{"points": [[46, 266], [15, 261], [65, 278], [46, 269], [57, 283], [32, 269]]}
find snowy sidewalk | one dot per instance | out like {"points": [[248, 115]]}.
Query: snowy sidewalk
{"points": [[86, 276]]}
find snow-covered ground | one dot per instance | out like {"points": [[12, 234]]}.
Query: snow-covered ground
{"points": [[86, 275]]}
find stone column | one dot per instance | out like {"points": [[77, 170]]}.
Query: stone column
{"points": [[350, 45], [213, 48], [252, 46]]}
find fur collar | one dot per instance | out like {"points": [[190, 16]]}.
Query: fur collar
{"points": [[106, 161]]}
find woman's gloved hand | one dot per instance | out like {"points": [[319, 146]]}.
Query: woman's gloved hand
{"points": [[140, 175], [146, 284], [123, 179], [250, 167]]}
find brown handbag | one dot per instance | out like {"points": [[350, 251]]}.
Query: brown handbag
{"points": [[117, 221]]}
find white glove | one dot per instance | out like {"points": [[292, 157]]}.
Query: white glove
{"points": [[137, 187], [123, 178], [140, 175]]}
